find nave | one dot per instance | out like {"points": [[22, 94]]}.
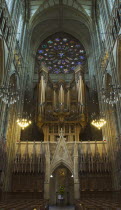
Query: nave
{"points": [[60, 104]]}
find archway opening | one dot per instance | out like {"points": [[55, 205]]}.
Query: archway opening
{"points": [[61, 187]]}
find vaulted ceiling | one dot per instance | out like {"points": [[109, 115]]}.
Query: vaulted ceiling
{"points": [[50, 16], [77, 4]]}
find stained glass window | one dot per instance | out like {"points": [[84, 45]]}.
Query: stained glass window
{"points": [[61, 53]]}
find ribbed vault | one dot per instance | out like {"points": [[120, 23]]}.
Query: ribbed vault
{"points": [[37, 6], [60, 17]]}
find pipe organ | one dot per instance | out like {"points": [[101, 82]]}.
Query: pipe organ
{"points": [[61, 95], [61, 103], [80, 91], [42, 89]]}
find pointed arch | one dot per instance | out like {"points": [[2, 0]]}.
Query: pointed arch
{"points": [[107, 80], [64, 163], [14, 80]]}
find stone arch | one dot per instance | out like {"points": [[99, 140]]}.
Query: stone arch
{"points": [[75, 25], [1, 60], [62, 177], [79, 11], [107, 80], [45, 22], [62, 162], [66, 30], [14, 80]]}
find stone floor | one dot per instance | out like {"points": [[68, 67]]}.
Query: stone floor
{"points": [[21, 201], [61, 208], [99, 201], [91, 200]]}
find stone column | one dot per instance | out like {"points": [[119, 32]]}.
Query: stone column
{"points": [[10, 148], [76, 176], [76, 189], [47, 173], [115, 160]]}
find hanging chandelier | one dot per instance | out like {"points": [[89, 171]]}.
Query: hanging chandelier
{"points": [[9, 94], [112, 94], [98, 123], [24, 121], [97, 120]]}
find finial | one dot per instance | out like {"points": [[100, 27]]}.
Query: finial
{"points": [[61, 133]]}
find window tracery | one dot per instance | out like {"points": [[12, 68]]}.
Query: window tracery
{"points": [[61, 53]]}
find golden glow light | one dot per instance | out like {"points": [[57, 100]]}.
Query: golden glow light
{"points": [[98, 123], [23, 123]]}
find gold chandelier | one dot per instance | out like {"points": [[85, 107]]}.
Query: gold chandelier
{"points": [[23, 123], [24, 120], [98, 123]]}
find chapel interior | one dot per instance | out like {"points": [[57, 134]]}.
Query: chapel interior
{"points": [[60, 104]]}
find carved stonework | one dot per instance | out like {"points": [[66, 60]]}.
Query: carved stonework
{"points": [[61, 155]]}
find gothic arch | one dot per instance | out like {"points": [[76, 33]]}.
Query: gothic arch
{"points": [[55, 30], [107, 80], [79, 13], [45, 23], [1, 60], [14, 80], [62, 176], [61, 162]]}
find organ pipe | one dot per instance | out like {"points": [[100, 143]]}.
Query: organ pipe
{"points": [[42, 87], [68, 99], [54, 98], [80, 89], [61, 95]]}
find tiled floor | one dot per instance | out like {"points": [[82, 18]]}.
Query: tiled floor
{"points": [[62, 208], [21, 204], [92, 201]]}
